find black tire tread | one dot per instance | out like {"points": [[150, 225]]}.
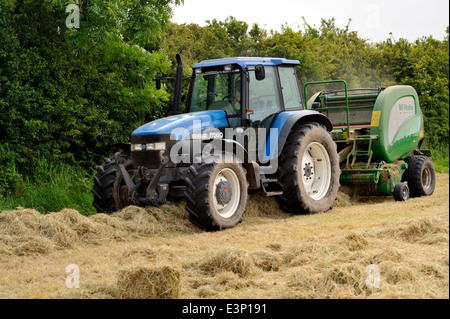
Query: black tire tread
{"points": [[413, 175], [103, 184], [198, 201], [288, 163]]}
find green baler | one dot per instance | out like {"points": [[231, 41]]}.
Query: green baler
{"points": [[379, 134]]}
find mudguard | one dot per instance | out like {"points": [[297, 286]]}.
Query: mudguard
{"points": [[282, 126]]}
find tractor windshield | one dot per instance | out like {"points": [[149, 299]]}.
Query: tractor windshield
{"points": [[216, 90]]}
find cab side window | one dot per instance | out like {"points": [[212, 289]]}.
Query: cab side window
{"points": [[264, 97], [290, 88]]}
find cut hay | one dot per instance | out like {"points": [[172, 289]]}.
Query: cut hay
{"points": [[265, 260], [313, 256], [158, 282], [236, 261], [26, 231], [260, 205], [418, 229], [355, 241], [423, 230], [344, 198], [395, 273]]}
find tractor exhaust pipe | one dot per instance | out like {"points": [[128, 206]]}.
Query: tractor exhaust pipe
{"points": [[178, 81]]}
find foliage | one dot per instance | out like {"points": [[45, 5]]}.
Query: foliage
{"points": [[68, 94], [425, 66], [53, 188]]}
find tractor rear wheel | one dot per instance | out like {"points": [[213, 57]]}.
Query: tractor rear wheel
{"points": [[110, 191], [216, 194], [420, 175], [309, 170]]}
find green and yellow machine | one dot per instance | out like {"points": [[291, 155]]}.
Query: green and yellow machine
{"points": [[379, 134]]}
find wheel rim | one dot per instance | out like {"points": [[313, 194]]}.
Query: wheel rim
{"points": [[226, 176], [123, 200], [316, 171], [404, 192], [426, 178]]}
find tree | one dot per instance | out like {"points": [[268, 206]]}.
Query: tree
{"points": [[68, 94]]}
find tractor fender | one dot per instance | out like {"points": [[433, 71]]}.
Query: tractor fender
{"points": [[285, 122], [242, 156]]}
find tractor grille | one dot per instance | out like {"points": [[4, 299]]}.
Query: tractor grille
{"points": [[150, 159]]}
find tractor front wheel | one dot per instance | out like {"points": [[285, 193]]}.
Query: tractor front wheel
{"points": [[216, 194]]}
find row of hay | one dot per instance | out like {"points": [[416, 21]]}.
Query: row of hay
{"points": [[26, 231]]}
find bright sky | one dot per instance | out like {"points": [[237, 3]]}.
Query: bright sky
{"points": [[373, 19]]}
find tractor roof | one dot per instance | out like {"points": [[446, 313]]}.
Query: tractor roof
{"points": [[246, 61]]}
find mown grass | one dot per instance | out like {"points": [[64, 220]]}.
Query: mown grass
{"points": [[52, 188]]}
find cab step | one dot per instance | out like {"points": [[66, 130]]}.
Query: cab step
{"points": [[271, 187]]}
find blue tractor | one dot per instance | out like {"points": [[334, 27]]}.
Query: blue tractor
{"points": [[245, 128]]}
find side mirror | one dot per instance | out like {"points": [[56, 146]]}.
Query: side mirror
{"points": [[158, 79], [260, 72]]}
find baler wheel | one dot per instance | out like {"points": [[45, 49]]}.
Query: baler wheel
{"points": [[420, 175], [401, 192]]}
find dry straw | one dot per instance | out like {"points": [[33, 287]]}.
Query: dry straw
{"points": [[149, 282]]}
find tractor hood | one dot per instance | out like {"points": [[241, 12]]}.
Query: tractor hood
{"points": [[183, 125]]}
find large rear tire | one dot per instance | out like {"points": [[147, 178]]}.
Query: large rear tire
{"points": [[420, 175], [216, 194], [309, 170], [109, 185]]}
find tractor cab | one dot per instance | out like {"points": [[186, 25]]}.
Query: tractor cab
{"points": [[252, 91]]}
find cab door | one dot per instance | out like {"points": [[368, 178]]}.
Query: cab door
{"points": [[264, 104]]}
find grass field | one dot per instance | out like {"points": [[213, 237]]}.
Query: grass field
{"points": [[157, 253]]}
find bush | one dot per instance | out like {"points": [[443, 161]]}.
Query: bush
{"points": [[52, 188]]}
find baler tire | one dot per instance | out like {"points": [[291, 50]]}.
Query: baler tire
{"points": [[105, 184], [420, 175], [295, 198], [199, 194], [401, 192]]}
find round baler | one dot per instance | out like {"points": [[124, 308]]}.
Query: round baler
{"points": [[380, 134]]}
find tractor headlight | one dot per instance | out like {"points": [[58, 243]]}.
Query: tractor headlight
{"points": [[149, 147], [160, 146], [136, 147]]}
